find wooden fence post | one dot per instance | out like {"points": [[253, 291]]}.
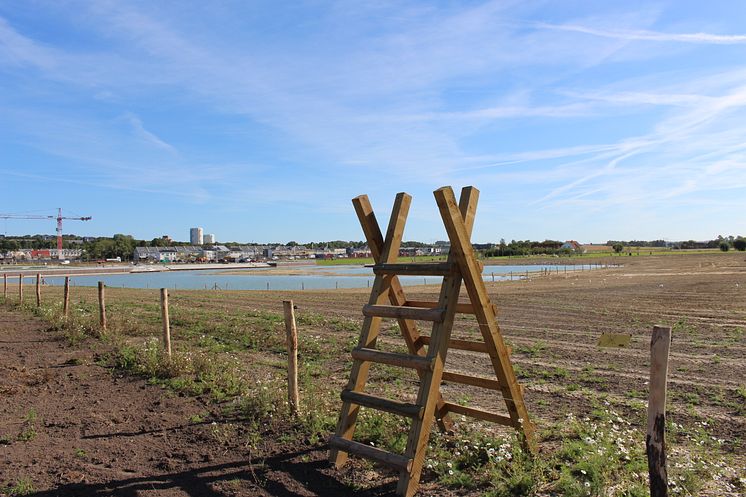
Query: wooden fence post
{"points": [[20, 288], [166, 322], [292, 344], [655, 442], [38, 290], [5, 287], [102, 305], [66, 297]]}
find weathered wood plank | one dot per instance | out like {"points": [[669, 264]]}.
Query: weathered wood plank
{"points": [[393, 358], [415, 269], [402, 312], [475, 381], [393, 406], [480, 414], [395, 461], [461, 307]]}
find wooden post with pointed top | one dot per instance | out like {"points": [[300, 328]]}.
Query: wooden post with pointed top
{"points": [[655, 442], [66, 297], [292, 344], [20, 288], [38, 289], [102, 305], [5, 287], [166, 322]]}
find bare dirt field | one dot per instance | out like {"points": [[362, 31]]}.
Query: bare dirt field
{"points": [[90, 415]]}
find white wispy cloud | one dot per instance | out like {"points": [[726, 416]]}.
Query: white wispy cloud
{"points": [[646, 35], [146, 135]]}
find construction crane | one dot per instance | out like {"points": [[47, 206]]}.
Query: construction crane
{"points": [[59, 219]]}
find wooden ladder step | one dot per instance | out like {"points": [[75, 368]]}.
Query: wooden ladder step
{"points": [[393, 358], [461, 307], [478, 414], [396, 461], [388, 405], [476, 381], [416, 269], [402, 312], [455, 343]]}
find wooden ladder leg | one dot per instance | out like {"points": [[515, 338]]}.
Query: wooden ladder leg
{"points": [[371, 325], [464, 252], [429, 393]]}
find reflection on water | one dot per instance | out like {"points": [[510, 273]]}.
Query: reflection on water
{"points": [[314, 278]]}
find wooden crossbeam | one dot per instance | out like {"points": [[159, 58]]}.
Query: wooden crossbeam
{"points": [[419, 269], [396, 461], [404, 312], [461, 307]]}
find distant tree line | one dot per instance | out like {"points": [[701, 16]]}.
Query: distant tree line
{"points": [[722, 242], [527, 247], [637, 243]]}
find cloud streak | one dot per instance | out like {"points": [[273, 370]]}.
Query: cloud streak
{"points": [[646, 35]]}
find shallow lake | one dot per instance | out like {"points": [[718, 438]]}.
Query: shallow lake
{"points": [[311, 277]]}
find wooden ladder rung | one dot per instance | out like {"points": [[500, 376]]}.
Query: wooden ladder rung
{"points": [[478, 414], [476, 381], [396, 461], [393, 358], [400, 312], [461, 308], [416, 269], [388, 405], [455, 343]]}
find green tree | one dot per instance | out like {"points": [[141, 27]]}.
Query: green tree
{"points": [[724, 246], [739, 243], [618, 247]]}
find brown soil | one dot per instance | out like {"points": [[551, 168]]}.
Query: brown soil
{"points": [[73, 428]]}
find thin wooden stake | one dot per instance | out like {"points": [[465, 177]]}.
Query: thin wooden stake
{"points": [[292, 344], [655, 442], [66, 297], [102, 305], [20, 288], [5, 286], [166, 322], [38, 290]]}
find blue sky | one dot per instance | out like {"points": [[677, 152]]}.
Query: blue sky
{"points": [[259, 121]]}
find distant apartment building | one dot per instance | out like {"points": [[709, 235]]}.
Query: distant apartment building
{"points": [[195, 236], [209, 239]]}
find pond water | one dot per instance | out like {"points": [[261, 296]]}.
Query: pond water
{"points": [[311, 277]]}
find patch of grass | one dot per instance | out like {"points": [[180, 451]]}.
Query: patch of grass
{"points": [[28, 432], [198, 418], [23, 486], [533, 349]]}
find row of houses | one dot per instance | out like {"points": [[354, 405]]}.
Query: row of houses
{"points": [[247, 253], [237, 253], [40, 254]]}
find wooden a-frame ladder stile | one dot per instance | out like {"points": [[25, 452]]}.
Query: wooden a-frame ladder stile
{"points": [[426, 355]]}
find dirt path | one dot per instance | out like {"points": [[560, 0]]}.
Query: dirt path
{"points": [[70, 427]]}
